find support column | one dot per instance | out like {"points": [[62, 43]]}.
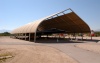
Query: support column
{"points": [[69, 36], [59, 36], [35, 37], [25, 36], [16, 36], [75, 36], [91, 37], [29, 36], [82, 36], [19, 36]]}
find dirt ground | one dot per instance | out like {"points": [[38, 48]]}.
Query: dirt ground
{"points": [[93, 47], [30, 52], [34, 54]]}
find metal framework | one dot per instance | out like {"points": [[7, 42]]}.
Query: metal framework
{"points": [[66, 20]]}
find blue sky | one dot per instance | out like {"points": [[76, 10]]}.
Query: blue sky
{"points": [[15, 13]]}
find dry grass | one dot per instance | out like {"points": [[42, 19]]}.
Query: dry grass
{"points": [[5, 55]]}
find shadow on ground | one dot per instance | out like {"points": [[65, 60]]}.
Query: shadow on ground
{"points": [[55, 40], [62, 40], [89, 40]]}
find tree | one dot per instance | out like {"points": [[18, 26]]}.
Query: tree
{"points": [[5, 34]]}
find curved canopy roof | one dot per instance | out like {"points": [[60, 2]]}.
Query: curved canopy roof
{"points": [[66, 20]]}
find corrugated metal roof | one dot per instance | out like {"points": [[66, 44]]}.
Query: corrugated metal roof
{"points": [[69, 22]]}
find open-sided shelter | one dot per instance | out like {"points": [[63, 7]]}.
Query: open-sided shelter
{"points": [[66, 21]]}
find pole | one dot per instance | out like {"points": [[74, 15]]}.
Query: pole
{"points": [[82, 36], [25, 36], [91, 37], [29, 36], [35, 37], [75, 36], [18, 36]]}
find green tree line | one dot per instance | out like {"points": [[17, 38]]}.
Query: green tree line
{"points": [[97, 33], [5, 34]]}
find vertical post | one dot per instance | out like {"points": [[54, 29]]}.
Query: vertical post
{"points": [[57, 40], [19, 36], [15, 36], [59, 35], [29, 36], [35, 37], [82, 36], [25, 36], [91, 37], [69, 36], [64, 36], [75, 36]]}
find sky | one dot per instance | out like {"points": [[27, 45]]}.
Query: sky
{"points": [[16, 13]]}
